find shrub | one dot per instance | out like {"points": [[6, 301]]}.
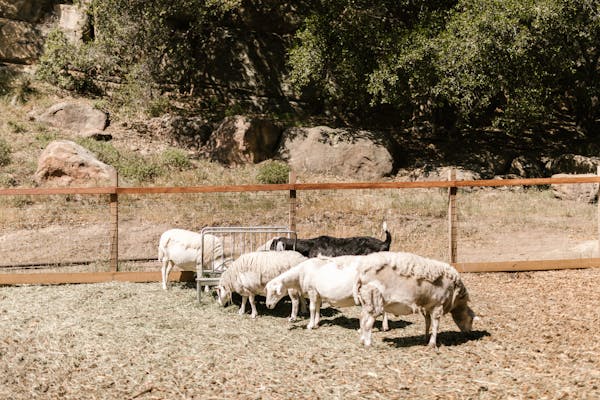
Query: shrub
{"points": [[175, 159], [139, 169], [60, 59], [22, 89], [5, 152], [273, 172]]}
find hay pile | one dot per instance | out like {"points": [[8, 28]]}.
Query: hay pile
{"points": [[135, 341]]}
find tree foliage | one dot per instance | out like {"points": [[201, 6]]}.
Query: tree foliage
{"points": [[169, 42], [449, 64], [512, 63]]}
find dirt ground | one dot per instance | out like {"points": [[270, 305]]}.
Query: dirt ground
{"points": [[536, 340]]}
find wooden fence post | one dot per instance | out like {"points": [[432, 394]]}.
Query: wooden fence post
{"points": [[452, 218], [292, 208], [114, 229]]}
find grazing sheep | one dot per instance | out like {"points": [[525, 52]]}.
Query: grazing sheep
{"points": [[334, 247], [405, 283], [321, 279], [182, 248], [249, 274]]}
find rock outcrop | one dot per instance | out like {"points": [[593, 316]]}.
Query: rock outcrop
{"points": [[77, 117], [359, 155], [65, 163]]}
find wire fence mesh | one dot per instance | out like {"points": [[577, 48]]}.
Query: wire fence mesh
{"points": [[72, 232], [525, 224]]}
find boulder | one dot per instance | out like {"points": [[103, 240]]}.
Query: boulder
{"points": [[573, 164], [525, 167], [587, 192], [78, 117], [20, 42], [65, 163], [240, 139], [24, 10], [359, 155]]}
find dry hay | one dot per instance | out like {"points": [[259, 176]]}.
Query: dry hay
{"points": [[537, 339]]}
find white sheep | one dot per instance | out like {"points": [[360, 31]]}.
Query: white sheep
{"points": [[182, 248], [321, 279], [249, 274], [405, 283]]}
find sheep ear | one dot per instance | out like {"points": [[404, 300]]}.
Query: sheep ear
{"points": [[279, 290]]}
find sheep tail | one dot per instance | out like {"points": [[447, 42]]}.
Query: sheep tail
{"points": [[161, 249], [388, 236]]}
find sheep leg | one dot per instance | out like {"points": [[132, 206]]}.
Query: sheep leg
{"points": [[253, 306], [318, 312], [366, 327], [435, 322], [303, 308], [165, 271], [385, 326], [295, 300], [243, 306], [312, 308], [427, 324]]}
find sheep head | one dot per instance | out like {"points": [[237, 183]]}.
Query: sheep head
{"points": [[223, 295], [275, 293]]}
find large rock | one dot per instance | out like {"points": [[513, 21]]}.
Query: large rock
{"points": [[20, 42], [240, 140], [75, 116], [573, 164], [587, 192], [525, 167], [24, 10], [359, 155], [65, 163]]}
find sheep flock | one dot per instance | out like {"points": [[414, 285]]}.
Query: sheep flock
{"points": [[342, 272]]}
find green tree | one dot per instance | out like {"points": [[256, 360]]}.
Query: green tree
{"points": [[170, 42], [361, 54], [516, 64]]}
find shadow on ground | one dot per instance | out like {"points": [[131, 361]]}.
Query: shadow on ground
{"points": [[454, 338]]}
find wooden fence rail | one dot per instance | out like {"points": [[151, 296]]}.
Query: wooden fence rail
{"points": [[292, 187]]}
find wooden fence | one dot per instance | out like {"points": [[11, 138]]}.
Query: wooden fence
{"points": [[453, 228]]}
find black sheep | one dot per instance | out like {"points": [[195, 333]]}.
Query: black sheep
{"points": [[330, 246]]}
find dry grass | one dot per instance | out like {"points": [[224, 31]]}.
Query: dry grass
{"points": [[125, 341]]}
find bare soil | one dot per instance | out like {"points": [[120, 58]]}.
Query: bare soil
{"points": [[535, 340]]}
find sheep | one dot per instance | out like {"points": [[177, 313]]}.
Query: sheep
{"points": [[183, 248], [333, 247], [405, 283], [321, 279], [249, 274]]}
